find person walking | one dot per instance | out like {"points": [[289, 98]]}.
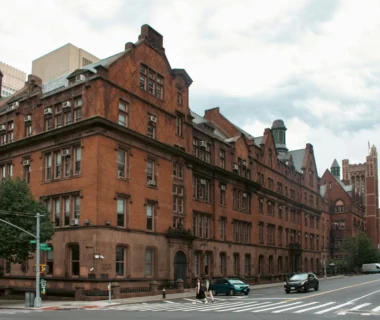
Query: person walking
{"points": [[208, 287], [200, 292]]}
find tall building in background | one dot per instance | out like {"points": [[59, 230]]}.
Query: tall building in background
{"points": [[364, 180], [61, 61], [13, 80]]}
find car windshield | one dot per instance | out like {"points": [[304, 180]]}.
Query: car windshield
{"points": [[299, 277], [236, 282]]}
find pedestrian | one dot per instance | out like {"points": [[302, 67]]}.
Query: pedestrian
{"points": [[208, 281], [200, 292]]}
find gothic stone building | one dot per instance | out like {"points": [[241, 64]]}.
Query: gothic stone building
{"points": [[130, 173]]}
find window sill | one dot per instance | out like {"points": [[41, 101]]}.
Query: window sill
{"points": [[202, 201], [152, 187], [62, 179], [123, 179]]}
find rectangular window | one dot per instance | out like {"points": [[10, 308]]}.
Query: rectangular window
{"points": [[68, 118], [149, 256], [67, 165], [222, 157], [28, 130], [120, 261], [195, 147], [150, 170], [122, 164], [78, 158], [67, 214], [178, 199], [201, 189], [152, 82], [75, 260], [123, 113], [58, 165], [222, 229], [150, 216], [178, 125], [57, 212], [280, 237], [26, 173], [179, 99], [121, 212], [49, 164], [50, 260], [222, 198], [222, 264], [261, 233], [247, 264], [77, 207], [58, 120], [78, 114], [178, 170], [261, 205]]}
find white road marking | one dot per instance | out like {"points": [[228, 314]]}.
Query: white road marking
{"points": [[376, 309], [359, 306], [231, 308], [272, 308], [256, 307], [291, 308], [167, 301], [316, 307], [333, 308]]}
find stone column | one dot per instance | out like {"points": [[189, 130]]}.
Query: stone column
{"points": [[153, 286], [116, 289], [180, 285]]}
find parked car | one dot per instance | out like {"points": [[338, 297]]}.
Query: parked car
{"points": [[371, 268], [229, 287], [302, 282]]}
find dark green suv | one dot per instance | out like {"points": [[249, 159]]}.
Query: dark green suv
{"points": [[229, 287]]}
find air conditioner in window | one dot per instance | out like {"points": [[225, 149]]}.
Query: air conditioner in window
{"points": [[65, 153], [203, 144], [203, 181], [75, 222], [222, 187], [235, 167], [151, 182], [2, 127], [245, 195], [152, 119], [244, 163], [48, 111], [14, 105], [26, 162], [80, 77], [66, 104], [28, 118]]}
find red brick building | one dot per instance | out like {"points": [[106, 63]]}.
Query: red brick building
{"points": [[130, 173], [347, 212]]}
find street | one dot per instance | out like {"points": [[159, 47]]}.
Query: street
{"points": [[354, 297]]}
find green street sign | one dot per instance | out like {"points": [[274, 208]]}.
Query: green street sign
{"points": [[32, 241], [44, 245], [45, 249]]}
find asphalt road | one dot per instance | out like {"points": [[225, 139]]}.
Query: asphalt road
{"points": [[355, 297]]}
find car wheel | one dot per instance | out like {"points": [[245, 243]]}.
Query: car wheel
{"points": [[231, 292], [316, 288], [287, 291], [214, 293], [306, 288], [246, 293]]}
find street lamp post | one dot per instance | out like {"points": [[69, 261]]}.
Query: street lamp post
{"points": [[37, 299]]}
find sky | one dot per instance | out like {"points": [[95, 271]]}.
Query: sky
{"points": [[313, 63]]}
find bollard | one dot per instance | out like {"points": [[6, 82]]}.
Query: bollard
{"points": [[163, 293]]}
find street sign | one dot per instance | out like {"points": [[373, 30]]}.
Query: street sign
{"points": [[32, 241], [43, 245], [43, 283], [45, 249]]}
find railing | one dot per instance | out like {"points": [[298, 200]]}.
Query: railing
{"points": [[96, 293], [168, 285], [134, 290]]}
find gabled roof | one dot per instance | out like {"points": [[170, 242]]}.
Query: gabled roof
{"points": [[297, 156]]}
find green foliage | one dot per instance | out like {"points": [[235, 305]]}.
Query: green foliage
{"points": [[16, 197], [359, 250]]}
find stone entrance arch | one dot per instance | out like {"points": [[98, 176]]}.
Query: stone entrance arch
{"points": [[180, 266]]}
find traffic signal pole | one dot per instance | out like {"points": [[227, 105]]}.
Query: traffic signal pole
{"points": [[37, 299]]}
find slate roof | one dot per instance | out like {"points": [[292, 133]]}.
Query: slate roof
{"points": [[297, 155]]}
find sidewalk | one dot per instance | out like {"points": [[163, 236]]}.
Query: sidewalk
{"points": [[74, 305]]}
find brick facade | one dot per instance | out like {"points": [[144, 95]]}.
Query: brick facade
{"points": [[162, 198]]}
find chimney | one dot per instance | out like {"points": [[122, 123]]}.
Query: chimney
{"points": [[152, 38], [1, 81]]}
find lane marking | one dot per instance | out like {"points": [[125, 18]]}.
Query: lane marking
{"points": [[291, 308], [326, 292], [359, 306], [316, 307], [376, 309]]}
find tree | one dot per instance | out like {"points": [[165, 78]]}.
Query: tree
{"points": [[18, 207], [359, 250]]}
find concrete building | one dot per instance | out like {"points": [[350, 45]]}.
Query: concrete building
{"points": [[364, 180], [129, 172], [13, 80], [61, 61], [346, 210]]}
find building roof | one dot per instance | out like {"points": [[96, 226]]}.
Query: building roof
{"points": [[104, 62], [297, 157], [278, 124], [335, 164], [347, 188]]}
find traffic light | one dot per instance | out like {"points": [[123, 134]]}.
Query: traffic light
{"points": [[44, 268]]}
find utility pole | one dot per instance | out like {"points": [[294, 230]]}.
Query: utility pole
{"points": [[37, 299]]}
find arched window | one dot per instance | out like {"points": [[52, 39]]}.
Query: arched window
{"points": [[270, 269], [260, 269], [279, 263], [339, 206]]}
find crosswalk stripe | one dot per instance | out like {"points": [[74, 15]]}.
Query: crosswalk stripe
{"points": [[333, 308], [217, 306], [294, 307], [376, 309], [235, 307], [316, 307], [257, 307], [272, 308], [359, 306]]}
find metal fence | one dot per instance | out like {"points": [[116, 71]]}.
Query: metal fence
{"points": [[134, 290]]}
